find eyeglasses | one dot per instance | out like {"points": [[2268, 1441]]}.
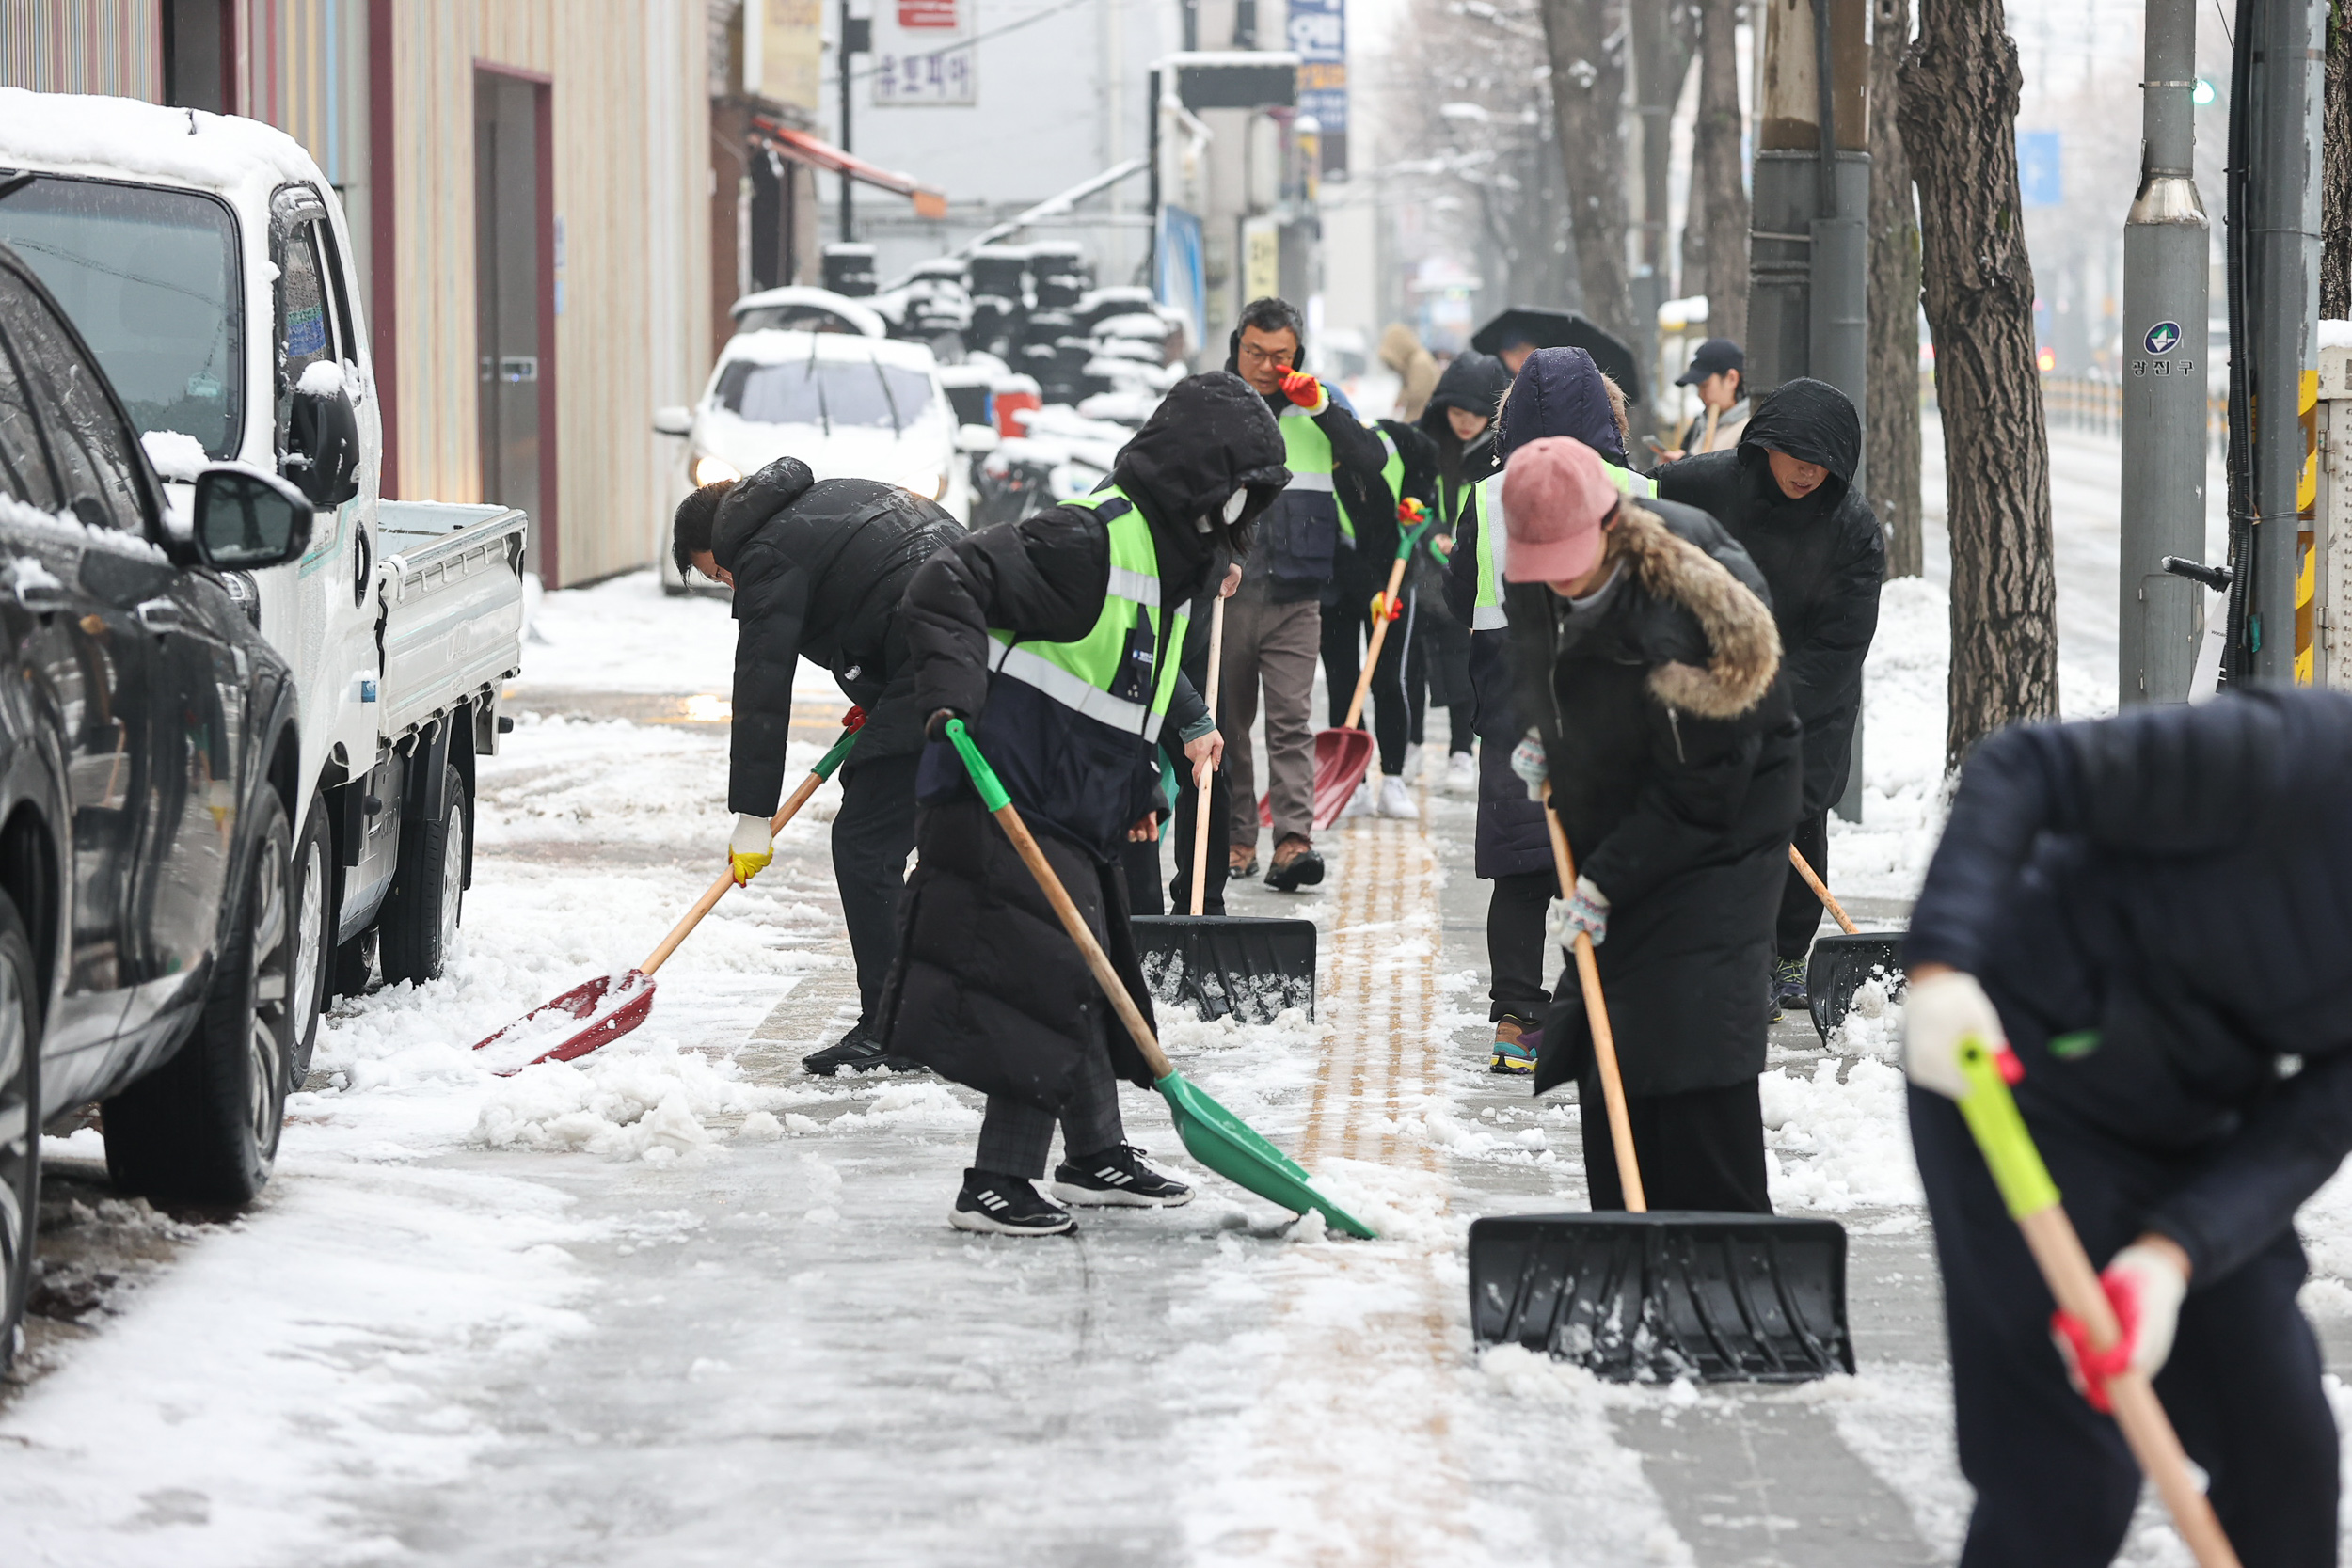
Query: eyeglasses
{"points": [[1257, 356]]}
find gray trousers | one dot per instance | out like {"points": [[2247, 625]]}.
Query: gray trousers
{"points": [[1016, 1136], [1278, 645]]}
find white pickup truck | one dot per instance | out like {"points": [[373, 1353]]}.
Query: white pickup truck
{"points": [[208, 264]]}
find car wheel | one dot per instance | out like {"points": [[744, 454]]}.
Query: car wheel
{"points": [[19, 1122], [420, 921], [313, 890], [203, 1127]]}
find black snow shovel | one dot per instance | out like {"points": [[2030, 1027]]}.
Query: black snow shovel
{"points": [[1213, 1134], [1222, 965], [1843, 964], [1648, 1298]]}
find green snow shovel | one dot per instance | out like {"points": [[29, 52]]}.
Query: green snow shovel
{"points": [[1213, 1134]]}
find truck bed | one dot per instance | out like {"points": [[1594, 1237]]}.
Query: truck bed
{"points": [[452, 578]]}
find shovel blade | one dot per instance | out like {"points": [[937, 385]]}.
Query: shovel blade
{"points": [[1228, 965], [1652, 1297], [1228, 1146], [1842, 965], [1342, 758], [606, 1008]]}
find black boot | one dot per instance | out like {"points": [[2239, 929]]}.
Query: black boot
{"points": [[1006, 1206], [1117, 1176], [859, 1052]]}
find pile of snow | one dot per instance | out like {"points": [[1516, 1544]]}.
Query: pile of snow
{"points": [[175, 454], [1838, 1145], [628, 1106], [1886, 853]]}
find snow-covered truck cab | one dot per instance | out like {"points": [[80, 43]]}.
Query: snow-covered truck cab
{"points": [[208, 263]]}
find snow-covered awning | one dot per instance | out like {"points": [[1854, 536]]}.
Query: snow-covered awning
{"points": [[802, 147]]}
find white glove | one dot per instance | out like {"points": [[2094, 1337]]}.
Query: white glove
{"points": [[1529, 762], [1587, 911], [2146, 1285], [751, 847], [1939, 1013]]}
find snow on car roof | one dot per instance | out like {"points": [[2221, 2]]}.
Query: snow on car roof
{"points": [[74, 134], [865, 318], [775, 346]]}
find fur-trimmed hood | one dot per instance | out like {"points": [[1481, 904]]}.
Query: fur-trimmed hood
{"points": [[1697, 567]]}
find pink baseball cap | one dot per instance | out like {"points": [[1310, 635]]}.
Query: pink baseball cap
{"points": [[1556, 493]]}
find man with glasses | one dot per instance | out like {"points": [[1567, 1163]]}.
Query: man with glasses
{"points": [[1274, 623]]}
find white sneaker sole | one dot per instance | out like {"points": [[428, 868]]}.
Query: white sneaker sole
{"points": [[965, 1219], [1111, 1197]]}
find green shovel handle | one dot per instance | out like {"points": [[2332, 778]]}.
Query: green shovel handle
{"points": [[835, 753], [984, 778], [2000, 1132]]}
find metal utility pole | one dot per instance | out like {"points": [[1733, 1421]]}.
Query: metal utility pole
{"points": [[1809, 236], [2278, 282], [857, 37], [1808, 242], [2164, 272]]}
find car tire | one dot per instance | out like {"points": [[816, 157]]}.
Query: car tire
{"points": [[313, 937], [21, 997], [203, 1127], [419, 928]]}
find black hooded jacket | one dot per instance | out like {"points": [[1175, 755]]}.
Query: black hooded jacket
{"points": [[988, 990], [2160, 904], [1824, 558], [1299, 534], [819, 568], [1475, 382]]}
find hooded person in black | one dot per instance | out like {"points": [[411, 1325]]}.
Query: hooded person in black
{"points": [[1016, 629], [817, 570], [1787, 494], [1459, 423]]}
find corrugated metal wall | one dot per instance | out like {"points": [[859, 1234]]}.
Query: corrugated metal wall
{"points": [[630, 116], [107, 46]]}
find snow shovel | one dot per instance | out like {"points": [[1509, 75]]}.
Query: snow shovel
{"points": [[1248, 967], [2032, 1199], [1650, 1297], [1213, 1134], [605, 1007], [1843, 964], [1343, 755]]}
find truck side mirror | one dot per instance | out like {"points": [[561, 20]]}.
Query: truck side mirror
{"points": [[246, 518], [323, 443], [673, 419]]}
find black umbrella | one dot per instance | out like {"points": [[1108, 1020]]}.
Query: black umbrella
{"points": [[1541, 328]]}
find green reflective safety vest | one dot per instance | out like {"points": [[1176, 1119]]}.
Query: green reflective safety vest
{"points": [[1113, 675], [1493, 546]]}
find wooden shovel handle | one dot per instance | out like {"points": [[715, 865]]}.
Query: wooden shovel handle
{"points": [[1074, 923], [1199, 790], [1706, 442], [1379, 635], [2066, 1269], [1820, 890], [718, 890], [1597, 1014]]}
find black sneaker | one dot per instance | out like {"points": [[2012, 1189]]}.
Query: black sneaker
{"points": [[858, 1052], [1789, 985], [1303, 869], [1117, 1176], [998, 1205]]}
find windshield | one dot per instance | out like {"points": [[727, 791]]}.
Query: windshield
{"points": [[826, 393], [149, 277]]}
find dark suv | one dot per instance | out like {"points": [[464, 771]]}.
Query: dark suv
{"points": [[147, 765]]}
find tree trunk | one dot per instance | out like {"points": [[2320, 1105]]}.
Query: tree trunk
{"points": [[1715, 244], [1891, 429], [1957, 112], [1586, 41], [2335, 174]]}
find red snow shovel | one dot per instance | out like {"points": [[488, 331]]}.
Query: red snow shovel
{"points": [[1213, 1134], [1343, 755], [2032, 1199], [607, 1007], [1651, 1297]]}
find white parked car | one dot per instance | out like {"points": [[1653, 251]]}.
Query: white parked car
{"points": [[847, 405]]}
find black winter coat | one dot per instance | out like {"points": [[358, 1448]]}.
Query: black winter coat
{"points": [[2160, 906], [1824, 559], [988, 990], [1673, 756], [820, 569]]}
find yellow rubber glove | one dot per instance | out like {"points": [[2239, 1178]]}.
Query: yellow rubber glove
{"points": [[751, 847]]}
